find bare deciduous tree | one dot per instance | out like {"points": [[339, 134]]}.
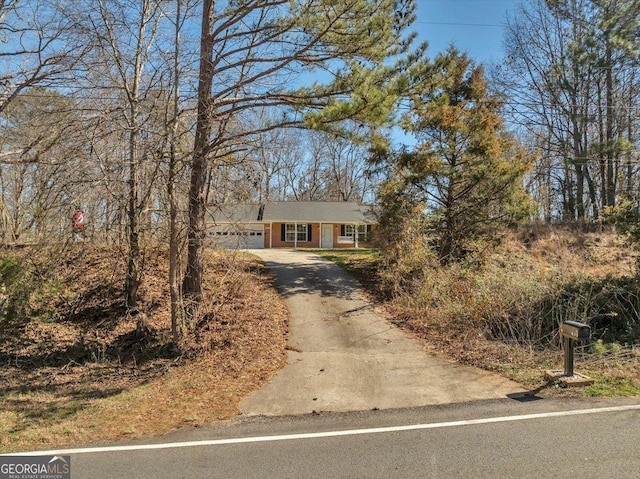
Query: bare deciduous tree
{"points": [[40, 47], [569, 82], [122, 67]]}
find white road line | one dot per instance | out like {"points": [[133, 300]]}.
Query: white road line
{"points": [[328, 434]]}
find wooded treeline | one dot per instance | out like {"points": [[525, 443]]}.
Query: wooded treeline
{"points": [[98, 107], [145, 113], [570, 83]]}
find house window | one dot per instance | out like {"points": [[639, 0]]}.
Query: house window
{"points": [[362, 231], [297, 232]]}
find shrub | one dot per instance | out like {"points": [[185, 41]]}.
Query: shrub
{"points": [[28, 293], [515, 297]]}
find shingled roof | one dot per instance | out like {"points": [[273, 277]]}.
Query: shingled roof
{"points": [[317, 211], [244, 213], [295, 211]]}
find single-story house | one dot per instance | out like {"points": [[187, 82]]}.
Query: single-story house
{"points": [[291, 224]]}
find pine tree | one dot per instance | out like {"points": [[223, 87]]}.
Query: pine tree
{"points": [[253, 53], [465, 171]]}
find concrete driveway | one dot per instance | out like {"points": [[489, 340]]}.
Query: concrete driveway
{"points": [[344, 356]]}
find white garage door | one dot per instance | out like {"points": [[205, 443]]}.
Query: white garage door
{"points": [[237, 237], [255, 238]]}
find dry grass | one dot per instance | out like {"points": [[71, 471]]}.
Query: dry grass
{"points": [[85, 374]]}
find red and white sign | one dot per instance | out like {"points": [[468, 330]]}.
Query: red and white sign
{"points": [[78, 220]]}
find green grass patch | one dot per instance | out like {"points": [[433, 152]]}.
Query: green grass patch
{"points": [[612, 386], [29, 292], [350, 259]]}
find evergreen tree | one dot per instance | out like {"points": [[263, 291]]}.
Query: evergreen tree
{"points": [[465, 172]]}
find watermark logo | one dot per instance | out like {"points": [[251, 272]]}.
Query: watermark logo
{"points": [[35, 467]]}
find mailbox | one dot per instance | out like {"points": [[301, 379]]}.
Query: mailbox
{"points": [[571, 332], [575, 330]]}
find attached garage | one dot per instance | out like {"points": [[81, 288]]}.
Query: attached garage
{"points": [[247, 236]]}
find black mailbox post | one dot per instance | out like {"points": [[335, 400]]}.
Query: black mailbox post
{"points": [[572, 332]]}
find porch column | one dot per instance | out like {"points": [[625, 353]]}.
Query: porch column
{"points": [[295, 237], [355, 231], [270, 234]]}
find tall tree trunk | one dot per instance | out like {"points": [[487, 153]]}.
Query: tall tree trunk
{"points": [[578, 120], [569, 203], [601, 151], [174, 283], [593, 195], [630, 118], [132, 281], [192, 283], [580, 216], [610, 179]]}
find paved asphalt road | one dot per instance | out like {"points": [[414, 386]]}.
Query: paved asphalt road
{"points": [[346, 357], [484, 439]]}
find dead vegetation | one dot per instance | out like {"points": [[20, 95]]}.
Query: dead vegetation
{"points": [[76, 367]]}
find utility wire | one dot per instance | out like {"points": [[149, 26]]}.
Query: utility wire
{"points": [[456, 24]]}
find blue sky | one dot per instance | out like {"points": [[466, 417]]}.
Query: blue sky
{"points": [[475, 26]]}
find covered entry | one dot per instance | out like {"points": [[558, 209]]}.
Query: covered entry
{"points": [[326, 236]]}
